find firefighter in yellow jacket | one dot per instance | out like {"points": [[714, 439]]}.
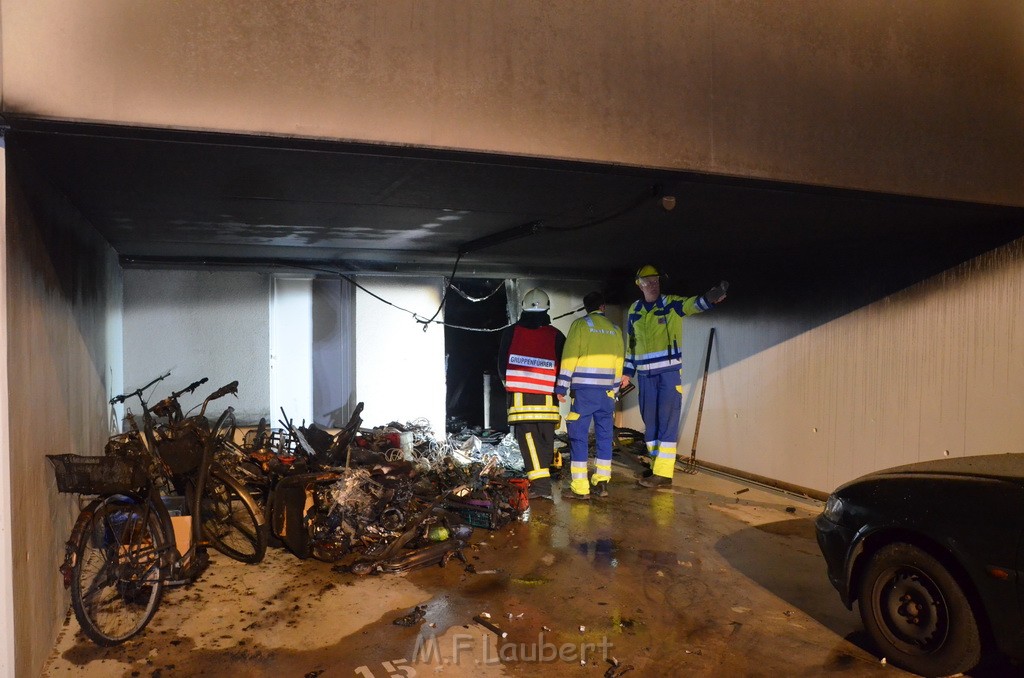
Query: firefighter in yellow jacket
{"points": [[654, 337], [528, 364], [591, 372]]}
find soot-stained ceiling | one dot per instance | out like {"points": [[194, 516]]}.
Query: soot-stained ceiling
{"points": [[186, 198]]}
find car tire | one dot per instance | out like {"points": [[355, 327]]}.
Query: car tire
{"points": [[917, 614]]}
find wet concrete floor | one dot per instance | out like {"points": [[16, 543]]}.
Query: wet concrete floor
{"points": [[710, 578]]}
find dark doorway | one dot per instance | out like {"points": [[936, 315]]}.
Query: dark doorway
{"points": [[481, 304]]}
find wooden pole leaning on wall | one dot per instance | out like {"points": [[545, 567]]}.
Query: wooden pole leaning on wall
{"points": [[690, 465]]}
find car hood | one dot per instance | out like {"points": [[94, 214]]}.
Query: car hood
{"points": [[1003, 466]]}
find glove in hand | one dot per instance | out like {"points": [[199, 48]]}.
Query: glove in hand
{"points": [[717, 293]]}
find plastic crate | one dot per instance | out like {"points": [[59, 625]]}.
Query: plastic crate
{"points": [[277, 440], [96, 475], [479, 513]]}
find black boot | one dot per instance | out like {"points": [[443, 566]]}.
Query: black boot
{"points": [[656, 482], [540, 488]]}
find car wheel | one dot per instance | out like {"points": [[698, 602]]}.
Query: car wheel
{"points": [[917, 614]]}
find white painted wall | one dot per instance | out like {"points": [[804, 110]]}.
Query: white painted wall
{"points": [[198, 324], [218, 324], [399, 367], [934, 370], [63, 295]]}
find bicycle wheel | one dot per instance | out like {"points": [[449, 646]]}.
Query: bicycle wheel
{"points": [[224, 429], [229, 522], [116, 583]]}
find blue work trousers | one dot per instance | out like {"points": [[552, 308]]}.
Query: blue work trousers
{"points": [[591, 404], [661, 400]]}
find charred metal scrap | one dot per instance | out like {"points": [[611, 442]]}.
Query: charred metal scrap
{"points": [[387, 499], [483, 496]]}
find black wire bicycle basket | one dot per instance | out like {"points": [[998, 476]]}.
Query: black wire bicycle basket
{"points": [[182, 453], [96, 475]]}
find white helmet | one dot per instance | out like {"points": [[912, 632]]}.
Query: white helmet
{"points": [[536, 300]]}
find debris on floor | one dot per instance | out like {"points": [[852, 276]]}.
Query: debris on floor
{"points": [[286, 618], [384, 499], [479, 619], [413, 618], [617, 669]]}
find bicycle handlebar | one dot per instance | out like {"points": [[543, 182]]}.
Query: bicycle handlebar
{"points": [[118, 399], [231, 388], [190, 388], [224, 390]]}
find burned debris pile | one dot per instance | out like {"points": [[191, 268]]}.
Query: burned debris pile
{"points": [[371, 500], [380, 500]]}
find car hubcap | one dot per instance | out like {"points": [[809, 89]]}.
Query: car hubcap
{"points": [[912, 610]]}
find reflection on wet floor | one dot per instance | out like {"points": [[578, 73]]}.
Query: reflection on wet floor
{"points": [[600, 552], [690, 581]]}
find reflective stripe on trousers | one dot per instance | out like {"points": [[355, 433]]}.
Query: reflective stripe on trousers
{"points": [[536, 443], [661, 400], [597, 405]]}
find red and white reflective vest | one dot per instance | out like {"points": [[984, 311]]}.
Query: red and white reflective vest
{"points": [[532, 360]]}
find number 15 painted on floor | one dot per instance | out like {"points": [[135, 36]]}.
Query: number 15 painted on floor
{"points": [[391, 667]]}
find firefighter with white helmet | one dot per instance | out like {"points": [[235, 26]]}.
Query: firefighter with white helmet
{"points": [[528, 362], [654, 337], [536, 300]]}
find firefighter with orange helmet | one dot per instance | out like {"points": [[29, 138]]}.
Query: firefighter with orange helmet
{"points": [[528, 361]]}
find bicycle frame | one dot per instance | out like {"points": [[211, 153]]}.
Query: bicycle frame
{"points": [[126, 538], [150, 434], [172, 561]]}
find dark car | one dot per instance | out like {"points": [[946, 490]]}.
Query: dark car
{"points": [[932, 554]]}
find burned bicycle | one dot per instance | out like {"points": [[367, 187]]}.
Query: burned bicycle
{"points": [[371, 516]]}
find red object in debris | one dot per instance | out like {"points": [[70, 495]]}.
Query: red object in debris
{"points": [[520, 500]]}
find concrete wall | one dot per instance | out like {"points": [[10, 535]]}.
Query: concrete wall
{"points": [[399, 367], [801, 395], [200, 324], [922, 97], [6, 552], [63, 300]]}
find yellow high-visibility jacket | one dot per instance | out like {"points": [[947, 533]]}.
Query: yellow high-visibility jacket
{"points": [[593, 355], [654, 333]]}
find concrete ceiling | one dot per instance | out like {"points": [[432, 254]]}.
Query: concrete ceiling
{"points": [[185, 198]]}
